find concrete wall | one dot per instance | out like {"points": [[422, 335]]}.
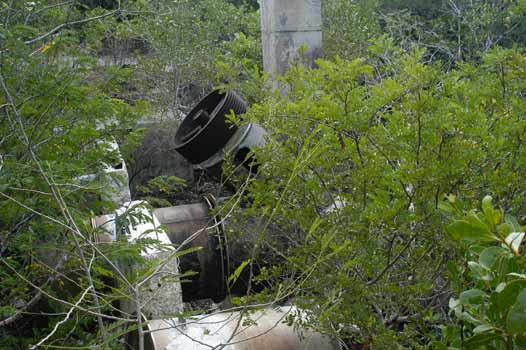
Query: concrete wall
{"points": [[285, 27]]}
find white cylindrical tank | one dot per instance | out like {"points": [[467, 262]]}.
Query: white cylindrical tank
{"points": [[255, 330]]}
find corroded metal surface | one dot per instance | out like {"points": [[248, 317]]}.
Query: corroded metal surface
{"points": [[183, 220], [194, 226]]}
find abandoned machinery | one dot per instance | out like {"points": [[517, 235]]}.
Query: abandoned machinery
{"points": [[204, 138]]}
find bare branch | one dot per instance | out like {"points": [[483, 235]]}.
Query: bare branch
{"points": [[63, 320], [62, 301], [45, 8], [20, 311], [69, 24], [394, 261]]}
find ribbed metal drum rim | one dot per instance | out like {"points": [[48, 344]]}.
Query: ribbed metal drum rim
{"points": [[229, 101]]}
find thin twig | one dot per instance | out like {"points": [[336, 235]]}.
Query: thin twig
{"points": [[45, 8], [69, 24], [62, 301], [63, 320], [394, 261]]}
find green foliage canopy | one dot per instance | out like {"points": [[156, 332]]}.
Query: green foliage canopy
{"points": [[359, 158]]}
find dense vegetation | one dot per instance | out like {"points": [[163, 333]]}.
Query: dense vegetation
{"points": [[415, 114]]}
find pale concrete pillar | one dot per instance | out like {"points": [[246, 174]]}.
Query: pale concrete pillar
{"points": [[286, 25], [160, 296]]}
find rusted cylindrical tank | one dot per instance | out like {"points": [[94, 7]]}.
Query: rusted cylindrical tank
{"points": [[193, 226], [183, 220], [190, 225], [197, 225]]}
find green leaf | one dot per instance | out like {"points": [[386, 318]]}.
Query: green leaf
{"points": [[483, 328], [471, 231], [446, 207], [234, 276], [103, 271], [504, 229], [472, 297], [439, 345], [480, 271], [481, 339], [187, 251], [487, 209], [512, 221], [516, 320], [467, 317], [313, 227], [489, 256], [505, 299], [500, 287], [520, 342], [505, 265]]}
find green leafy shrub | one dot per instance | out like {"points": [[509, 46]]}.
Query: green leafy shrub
{"points": [[358, 157], [160, 190], [490, 307]]}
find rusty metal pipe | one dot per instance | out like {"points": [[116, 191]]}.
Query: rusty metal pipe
{"points": [[184, 221]]}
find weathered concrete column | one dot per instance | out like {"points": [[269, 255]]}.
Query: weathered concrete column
{"points": [[287, 25], [161, 295]]}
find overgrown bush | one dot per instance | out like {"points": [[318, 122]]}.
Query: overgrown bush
{"points": [[359, 157], [410, 105], [489, 306]]}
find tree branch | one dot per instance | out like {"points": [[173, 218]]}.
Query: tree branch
{"points": [[45, 8], [63, 320], [69, 24], [395, 260]]}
